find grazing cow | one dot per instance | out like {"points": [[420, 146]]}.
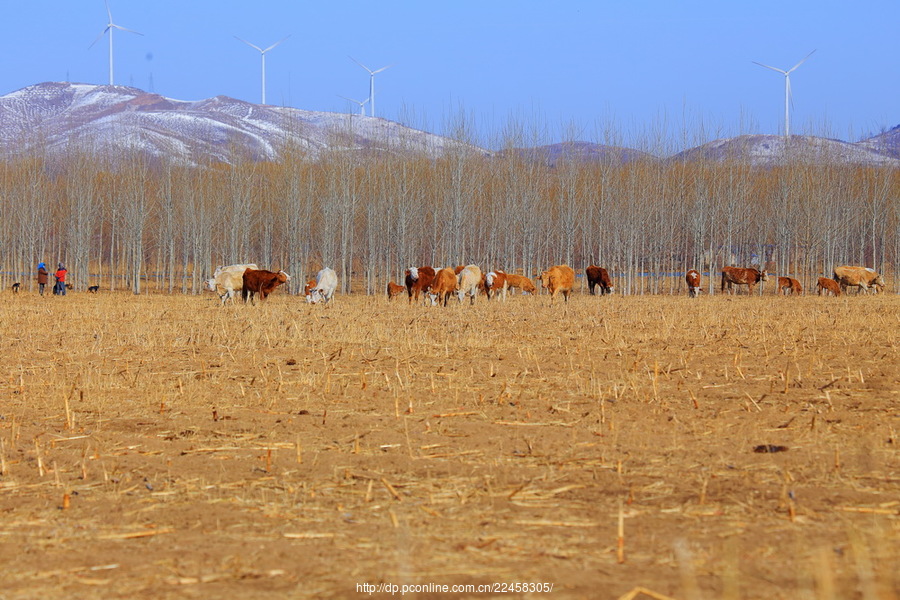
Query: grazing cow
{"points": [[15, 287], [789, 285], [469, 282], [558, 279], [692, 278], [326, 284], [308, 288], [828, 285], [495, 282], [739, 276], [94, 289], [418, 280], [228, 280], [394, 290], [598, 276], [521, 282], [262, 282], [443, 284], [863, 278]]}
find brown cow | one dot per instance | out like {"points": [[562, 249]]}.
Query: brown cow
{"points": [[418, 280], [261, 282], [863, 278], [692, 278], [443, 285], [394, 290], [828, 285], [598, 276], [739, 276], [495, 283], [789, 285], [521, 282], [558, 279]]}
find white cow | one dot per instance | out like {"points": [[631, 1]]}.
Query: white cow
{"points": [[469, 280], [228, 280], [326, 284]]}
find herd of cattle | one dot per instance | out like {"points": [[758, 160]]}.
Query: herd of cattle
{"points": [[437, 286]]}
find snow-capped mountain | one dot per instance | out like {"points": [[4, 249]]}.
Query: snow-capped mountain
{"points": [[771, 150], [57, 118]]}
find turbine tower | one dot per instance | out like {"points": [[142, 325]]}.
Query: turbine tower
{"points": [[262, 53], [787, 90], [362, 105], [371, 83], [109, 28]]}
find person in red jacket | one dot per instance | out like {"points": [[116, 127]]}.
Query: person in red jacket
{"points": [[61, 280]]}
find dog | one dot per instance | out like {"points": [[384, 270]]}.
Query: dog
{"points": [[94, 289], [69, 286], [15, 287]]}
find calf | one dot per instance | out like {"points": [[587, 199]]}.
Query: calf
{"points": [[521, 282], [828, 285], [418, 280], [598, 276], [326, 284], [443, 284], [228, 280], [94, 289], [495, 283], [394, 290], [558, 279], [789, 285], [262, 282], [692, 278]]}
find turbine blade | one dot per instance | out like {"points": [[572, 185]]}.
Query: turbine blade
{"points": [[276, 43], [790, 93], [125, 29], [801, 62], [382, 69], [97, 39], [108, 12], [249, 44], [768, 67], [360, 64]]}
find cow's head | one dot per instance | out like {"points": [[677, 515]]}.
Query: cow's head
{"points": [[763, 276], [211, 285], [545, 279], [413, 273]]}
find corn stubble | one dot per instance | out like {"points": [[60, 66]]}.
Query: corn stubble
{"points": [[151, 441]]}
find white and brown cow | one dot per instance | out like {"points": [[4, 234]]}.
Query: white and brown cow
{"points": [[692, 277]]}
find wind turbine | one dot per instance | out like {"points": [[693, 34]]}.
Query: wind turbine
{"points": [[371, 83], [109, 27], [263, 55], [362, 105], [787, 90]]}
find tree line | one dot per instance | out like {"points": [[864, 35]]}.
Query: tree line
{"points": [[134, 224]]}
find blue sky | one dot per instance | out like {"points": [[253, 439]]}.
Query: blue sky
{"points": [[593, 70]]}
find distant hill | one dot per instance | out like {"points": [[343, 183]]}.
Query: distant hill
{"points": [[886, 143], [58, 117], [580, 152], [771, 150]]}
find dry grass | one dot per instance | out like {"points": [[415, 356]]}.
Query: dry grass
{"points": [[166, 447]]}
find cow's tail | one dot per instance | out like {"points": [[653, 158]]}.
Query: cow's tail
{"points": [[723, 281]]}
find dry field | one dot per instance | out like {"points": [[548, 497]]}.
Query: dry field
{"points": [[164, 447]]}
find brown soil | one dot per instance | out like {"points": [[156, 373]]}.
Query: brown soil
{"points": [[165, 447]]}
